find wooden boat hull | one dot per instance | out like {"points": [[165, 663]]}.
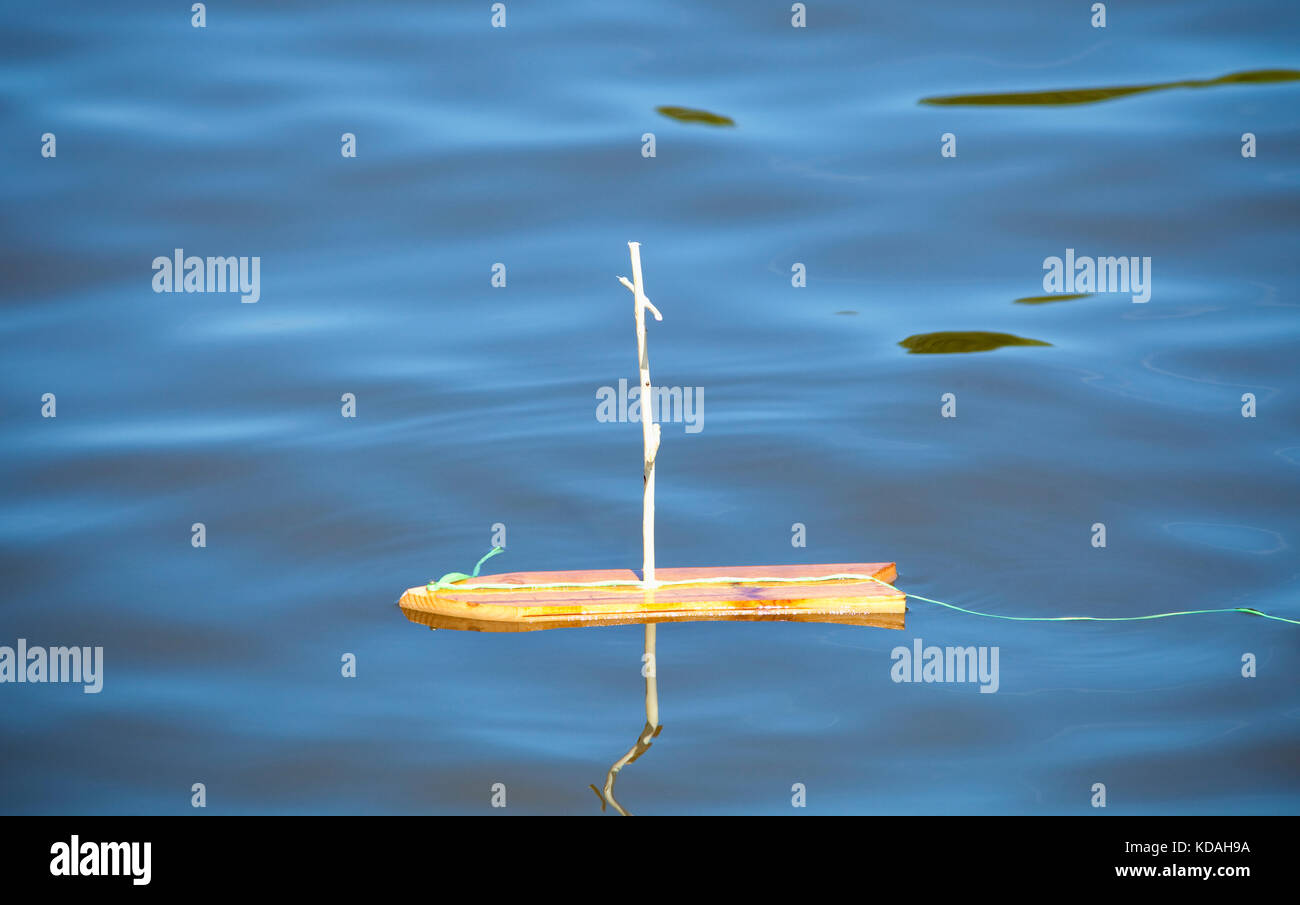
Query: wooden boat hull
{"points": [[467, 606]]}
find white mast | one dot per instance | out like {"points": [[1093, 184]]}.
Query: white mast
{"points": [[649, 430]]}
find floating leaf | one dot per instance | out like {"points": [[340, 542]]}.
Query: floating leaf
{"points": [[1095, 95], [688, 115], [1046, 299], [949, 342]]}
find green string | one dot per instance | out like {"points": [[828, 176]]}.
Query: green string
{"points": [[1234, 609], [451, 578]]}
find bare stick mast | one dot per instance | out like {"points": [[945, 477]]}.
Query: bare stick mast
{"points": [[649, 430]]}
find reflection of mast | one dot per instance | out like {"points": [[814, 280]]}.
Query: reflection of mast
{"points": [[650, 732]]}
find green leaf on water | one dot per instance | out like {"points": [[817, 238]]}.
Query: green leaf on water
{"points": [[950, 342], [1045, 299], [1067, 96], [689, 115]]}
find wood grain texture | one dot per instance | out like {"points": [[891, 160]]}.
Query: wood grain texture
{"points": [[490, 609]]}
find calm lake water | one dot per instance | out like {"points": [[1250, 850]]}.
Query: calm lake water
{"points": [[475, 405]]}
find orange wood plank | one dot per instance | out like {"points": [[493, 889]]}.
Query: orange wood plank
{"points": [[843, 598], [894, 621]]}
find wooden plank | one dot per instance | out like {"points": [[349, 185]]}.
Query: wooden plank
{"points": [[842, 599], [894, 621]]}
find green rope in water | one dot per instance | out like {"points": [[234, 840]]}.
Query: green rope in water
{"points": [[452, 578], [1233, 609]]}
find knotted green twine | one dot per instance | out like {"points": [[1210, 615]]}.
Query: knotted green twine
{"points": [[451, 578]]}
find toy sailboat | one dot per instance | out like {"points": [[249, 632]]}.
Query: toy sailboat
{"points": [[853, 593]]}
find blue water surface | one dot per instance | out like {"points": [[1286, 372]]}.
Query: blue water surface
{"points": [[476, 404]]}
